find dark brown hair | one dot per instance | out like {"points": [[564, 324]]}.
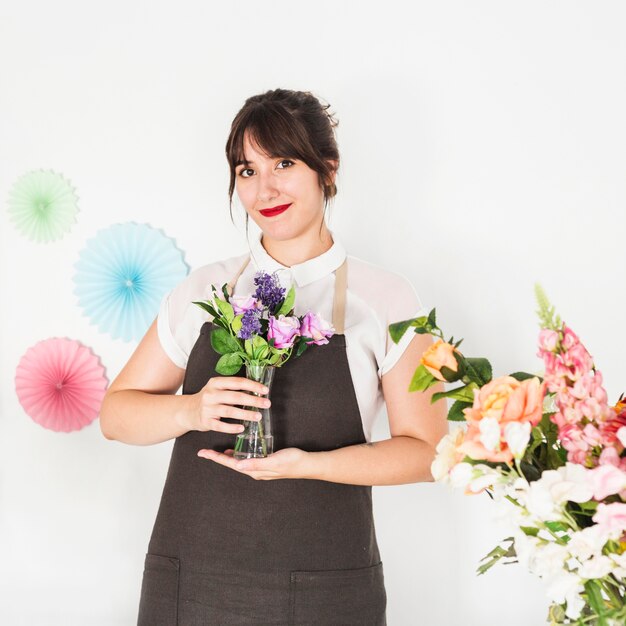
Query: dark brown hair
{"points": [[289, 124]]}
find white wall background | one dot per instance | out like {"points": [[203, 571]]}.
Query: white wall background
{"points": [[483, 150]]}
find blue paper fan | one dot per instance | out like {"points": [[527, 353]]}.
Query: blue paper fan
{"points": [[122, 275]]}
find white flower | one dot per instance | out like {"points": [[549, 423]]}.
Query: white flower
{"points": [[460, 474], [566, 587], [476, 477], [489, 433], [596, 567], [517, 436], [621, 435], [587, 542], [547, 495], [525, 547], [548, 559], [620, 561], [446, 454]]}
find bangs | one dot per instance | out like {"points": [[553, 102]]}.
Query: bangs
{"points": [[272, 133]]}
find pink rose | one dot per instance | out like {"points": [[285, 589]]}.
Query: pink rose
{"points": [[241, 304], [611, 517], [317, 328], [283, 330]]}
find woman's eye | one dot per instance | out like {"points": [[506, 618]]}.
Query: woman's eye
{"points": [[247, 169]]}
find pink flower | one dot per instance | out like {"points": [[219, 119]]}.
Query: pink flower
{"points": [[548, 340], [606, 480], [611, 517], [570, 338], [317, 328], [283, 330], [241, 304]]}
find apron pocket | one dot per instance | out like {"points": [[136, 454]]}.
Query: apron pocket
{"points": [[349, 597], [158, 603]]}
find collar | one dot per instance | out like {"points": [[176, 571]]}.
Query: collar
{"points": [[303, 273]]}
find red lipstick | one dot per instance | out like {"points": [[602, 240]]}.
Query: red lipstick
{"points": [[277, 210]]}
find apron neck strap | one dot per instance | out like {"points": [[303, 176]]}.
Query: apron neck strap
{"points": [[339, 301]]}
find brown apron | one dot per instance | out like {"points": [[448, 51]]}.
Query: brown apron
{"points": [[227, 549]]}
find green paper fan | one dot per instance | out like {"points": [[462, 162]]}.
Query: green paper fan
{"points": [[43, 205]]}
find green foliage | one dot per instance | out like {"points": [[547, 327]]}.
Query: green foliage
{"points": [[546, 312], [288, 302]]}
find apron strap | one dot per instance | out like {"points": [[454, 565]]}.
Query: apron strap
{"points": [[339, 301]]}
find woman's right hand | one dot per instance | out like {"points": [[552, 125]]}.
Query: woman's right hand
{"points": [[203, 410]]}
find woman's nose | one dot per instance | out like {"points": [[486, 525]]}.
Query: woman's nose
{"points": [[267, 188]]}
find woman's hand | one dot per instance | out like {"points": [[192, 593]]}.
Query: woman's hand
{"points": [[203, 410], [285, 463]]}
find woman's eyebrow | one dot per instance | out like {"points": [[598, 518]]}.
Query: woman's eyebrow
{"points": [[244, 163]]}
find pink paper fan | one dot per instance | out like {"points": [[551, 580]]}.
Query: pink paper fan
{"points": [[60, 384]]}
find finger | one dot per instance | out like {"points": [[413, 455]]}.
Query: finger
{"points": [[241, 398], [218, 457], [233, 412], [224, 427], [239, 382]]}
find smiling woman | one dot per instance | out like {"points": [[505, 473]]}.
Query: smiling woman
{"points": [[203, 564]]}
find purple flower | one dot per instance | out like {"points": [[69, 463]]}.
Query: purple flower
{"points": [[250, 324], [283, 331], [316, 328], [241, 304], [268, 290]]}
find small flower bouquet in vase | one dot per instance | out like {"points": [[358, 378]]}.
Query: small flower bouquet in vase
{"points": [[261, 332], [550, 452]]}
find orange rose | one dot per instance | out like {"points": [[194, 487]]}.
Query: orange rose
{"points": [[503, 400], [438, 355]]}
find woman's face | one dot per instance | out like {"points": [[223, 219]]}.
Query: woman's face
{"points": [[270, 182]]}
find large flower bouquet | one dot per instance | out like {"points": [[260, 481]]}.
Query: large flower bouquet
{"points": [[262, 332], [550, 452]]}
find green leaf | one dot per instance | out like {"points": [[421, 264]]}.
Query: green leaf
{"points": [[302, 346], [397, 329], [450, 375], [229, 364], [455, 414], [524, 376], [223, 342], [247, 344], [465, 393], [530, 471], [226, 308], [479, 370], [499, 552], [288, 303], [531, 531], [596, 601], [432, 319], [422, 379], [225, 292], [236, 324]]}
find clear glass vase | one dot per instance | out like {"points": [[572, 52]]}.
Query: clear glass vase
{"points": [[256, 440]]}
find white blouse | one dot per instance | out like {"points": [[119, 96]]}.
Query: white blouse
{"points": [[375, 298]]}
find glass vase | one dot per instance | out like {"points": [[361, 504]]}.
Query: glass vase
{"points": [[256, 440]]}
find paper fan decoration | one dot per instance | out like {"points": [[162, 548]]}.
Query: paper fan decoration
{"points": [[122, 275], [60, 384], [42, 205]]}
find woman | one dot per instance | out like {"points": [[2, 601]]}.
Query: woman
{"points": [[287, 539]]}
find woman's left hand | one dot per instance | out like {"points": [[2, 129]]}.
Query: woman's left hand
{"points": [[285, 463]]}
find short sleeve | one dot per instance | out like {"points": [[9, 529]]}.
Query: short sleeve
{"points": [[404, 304], [166, 334]]}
